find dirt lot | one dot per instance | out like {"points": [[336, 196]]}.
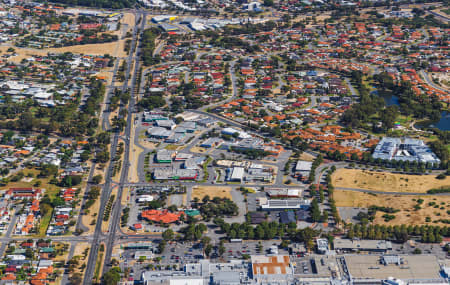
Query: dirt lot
{"points": [[198, 149], [92, 216], [95, 49], [22, 53], [407, 214], [148, 145], [112, 48], [387, 182], [306, 157], [100, 169], [212, 191], [128, 19], [79, 254]]}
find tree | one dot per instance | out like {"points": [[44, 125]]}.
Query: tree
{"points": [[161, 246], [208, 250], [119, 123], [221, 249], [112, 277], [26, 121], [325, 216], [315, 211], [76, 279], [97, 179], [168, 235], [205, 199]]}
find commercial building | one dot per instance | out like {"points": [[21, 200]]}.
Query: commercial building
{"points": [[373, 269], [147, 245], [204, 272], [236, 174], [174, 174], [164, 216], [144, 198], [151, 117], [167, 124], [271, 268], [183, 156], [284, 192], [158, 133], [231, 132], [259, 174], [168, 27], [303, 168], [163, 18], [164, 156], [279, 205], [189, 127], [211, 142], [404, 149], [143, 254], [191, 163], [322, 245], [348, 245], [245, 144]]}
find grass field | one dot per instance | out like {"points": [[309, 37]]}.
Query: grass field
{"points": [[213, 191], [387, 182], [435, 207]]}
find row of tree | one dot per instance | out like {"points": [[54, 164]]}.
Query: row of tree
{"points": [[402, 233], [148, 46], [267, 231]]}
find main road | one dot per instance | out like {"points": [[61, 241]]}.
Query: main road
{"points": [[106, 192], [115, 217]]}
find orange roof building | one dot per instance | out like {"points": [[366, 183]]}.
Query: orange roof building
{"points": [[164, 216]]}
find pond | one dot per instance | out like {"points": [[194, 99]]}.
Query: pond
{"points": [[389, 99], [443, 124]]}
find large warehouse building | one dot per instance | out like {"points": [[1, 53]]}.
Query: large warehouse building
{"points": [[373, 269]]}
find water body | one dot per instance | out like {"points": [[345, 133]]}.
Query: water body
{"points": [[389, 99], [443, 124]]}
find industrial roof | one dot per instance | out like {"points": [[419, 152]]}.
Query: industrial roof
{"points": [[303, 165], [362, 244], [412, 267], [237, 173], [265, 265]]}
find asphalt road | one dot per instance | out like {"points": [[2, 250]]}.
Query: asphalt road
{"points": [[106, 192], [430, 82], [115, 217]]}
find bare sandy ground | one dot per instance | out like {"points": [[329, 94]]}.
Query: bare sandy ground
{"points": [[211, 191], [407, 214], [387, 182]]}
